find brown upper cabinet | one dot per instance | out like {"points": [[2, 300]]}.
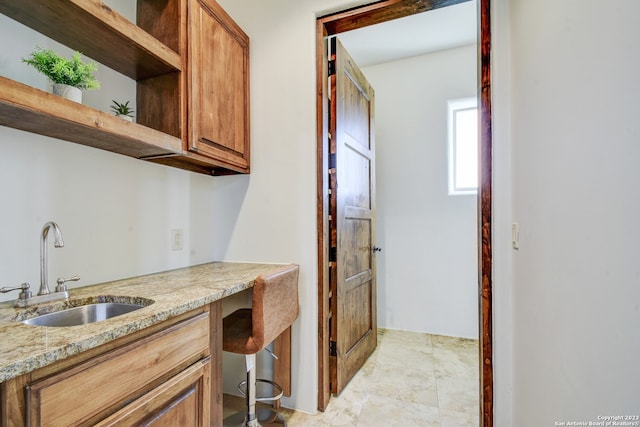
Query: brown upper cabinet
{"points": [[219, 86], [191, 64]]}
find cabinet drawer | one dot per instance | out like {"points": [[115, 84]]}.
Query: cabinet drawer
{"points": [[181, 401], [100, 386]]}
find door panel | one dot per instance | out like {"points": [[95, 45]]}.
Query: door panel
{"points": [[356, 178], [352, 206], [357, 258]]}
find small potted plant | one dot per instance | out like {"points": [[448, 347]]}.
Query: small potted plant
{"points": [[68, 76], [122, 110]]}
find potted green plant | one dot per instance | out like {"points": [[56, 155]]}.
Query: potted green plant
{"points": [[122, 110], [68, 76]]}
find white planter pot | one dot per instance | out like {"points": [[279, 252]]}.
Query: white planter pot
{"points": [[68, 92], [125, 117]]}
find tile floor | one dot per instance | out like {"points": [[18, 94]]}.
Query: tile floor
{"points": [[411, 379]]}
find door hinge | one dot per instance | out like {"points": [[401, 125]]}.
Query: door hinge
{"points": [[332, 160], [333, 254], [331, 67], [333, 349]]}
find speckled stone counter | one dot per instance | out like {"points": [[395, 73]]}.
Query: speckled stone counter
{"points": [[24, 348]]}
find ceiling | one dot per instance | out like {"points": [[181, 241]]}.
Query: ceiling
{"points": [[419, 34]]}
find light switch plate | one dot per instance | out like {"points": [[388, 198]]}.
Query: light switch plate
{"points": [[515, 236]]}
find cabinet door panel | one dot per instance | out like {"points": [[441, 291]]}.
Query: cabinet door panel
{"points": [[181, 401], [218, 85]]}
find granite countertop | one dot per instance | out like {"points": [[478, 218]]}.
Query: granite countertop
{"points": [[24, 348]]}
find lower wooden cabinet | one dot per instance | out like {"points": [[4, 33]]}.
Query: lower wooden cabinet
{"points": [[157, 377]]}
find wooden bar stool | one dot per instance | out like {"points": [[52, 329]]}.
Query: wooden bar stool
{"points": [[249, 330]]}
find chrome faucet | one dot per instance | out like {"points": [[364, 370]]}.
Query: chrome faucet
{"points": [[25, 299], [58, 243]]}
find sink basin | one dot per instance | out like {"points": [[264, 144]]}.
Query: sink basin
{"points": [[84, 314]]}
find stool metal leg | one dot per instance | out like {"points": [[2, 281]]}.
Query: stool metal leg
{"points": [[253, 416], [251, 420]]}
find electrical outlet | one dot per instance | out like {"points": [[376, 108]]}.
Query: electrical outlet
{"points": [[176, 239]]}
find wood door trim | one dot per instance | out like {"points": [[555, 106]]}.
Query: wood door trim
{"points": [[381, 11], [485, 188], [324, 390], [368, 15]]}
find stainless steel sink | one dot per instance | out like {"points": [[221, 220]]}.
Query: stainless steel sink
{"points": [[84, 314]]}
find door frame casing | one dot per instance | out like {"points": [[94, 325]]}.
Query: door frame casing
{"points": [[371, 14]]}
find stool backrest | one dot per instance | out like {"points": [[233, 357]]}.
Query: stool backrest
{"points": [[275, 304]]}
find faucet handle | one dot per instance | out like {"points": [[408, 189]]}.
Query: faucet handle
{"points": [[25, 293], [62, 280]]}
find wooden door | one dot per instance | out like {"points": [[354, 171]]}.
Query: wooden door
{"points": [[352, 210]]}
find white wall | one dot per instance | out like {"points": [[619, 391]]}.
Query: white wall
{"points": [[502, 215], [427, 271], [575, 153]]}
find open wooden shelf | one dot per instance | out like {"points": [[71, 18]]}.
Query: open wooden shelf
{"points": [[26, 108], [97, 31], [177, 124]]}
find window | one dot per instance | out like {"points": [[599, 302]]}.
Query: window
{"points": [[463, 146]]}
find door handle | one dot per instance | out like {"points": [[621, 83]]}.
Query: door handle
{"points": [[377, 249]]}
